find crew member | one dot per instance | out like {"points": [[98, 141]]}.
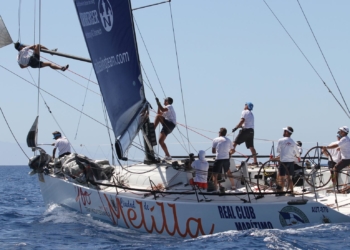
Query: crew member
{"points": [[334, 156], [222, 147], [30, 56], [287, 150], [246, 134], [297, 162], [201, 166], [344, 146], [61, 143], [167, 117]]}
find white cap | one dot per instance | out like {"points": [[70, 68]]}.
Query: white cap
{"points": [[289, 129], [344, 129]]}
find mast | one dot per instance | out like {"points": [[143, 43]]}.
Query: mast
{"points": [[148, 131]]}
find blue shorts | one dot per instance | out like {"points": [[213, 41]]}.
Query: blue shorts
{"points": [[35, 62], [286, 168], [221, 164], [245, 135], [168, 127], [342, 164]]}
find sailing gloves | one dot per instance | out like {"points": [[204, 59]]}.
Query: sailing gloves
{"points": [[157, 100], [233, 130]]}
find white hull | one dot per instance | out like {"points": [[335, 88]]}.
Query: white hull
{"points": [[183, 215]]}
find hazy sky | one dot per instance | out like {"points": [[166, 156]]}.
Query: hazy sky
{"points": [[229, 51]]}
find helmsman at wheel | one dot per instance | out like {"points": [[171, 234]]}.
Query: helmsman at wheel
{"points": [[344, 145]]}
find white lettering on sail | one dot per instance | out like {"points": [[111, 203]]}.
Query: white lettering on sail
{"points": [[89, 18], [85, 3], [122, 58], [109, 62], [92, 33]]}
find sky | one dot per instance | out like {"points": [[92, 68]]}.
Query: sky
{"points": [[229, 52]]}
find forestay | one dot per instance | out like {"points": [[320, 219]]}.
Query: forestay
{"points": [[109, 34]]}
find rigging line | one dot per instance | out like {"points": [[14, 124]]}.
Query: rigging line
{"points": [[138, 135], [140, 147], [19, 20], [83, 146], [150, 5], [56, 97], [323, 55], [178, 69], [13, 134], [194, 131], [149, 82], [182, 138], [149, 56], [39, 73], [64, 75], [104, 110], [69, 70], [82, 106], [306, 59], [48, 108], [189, 142], [34, 22]]}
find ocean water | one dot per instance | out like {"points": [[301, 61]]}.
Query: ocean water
{"points": [[25, 223]]}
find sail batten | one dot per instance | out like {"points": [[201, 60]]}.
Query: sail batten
{"points": [[109, 34]]}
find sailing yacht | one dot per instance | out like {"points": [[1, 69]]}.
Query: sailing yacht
{"points": [[155, 196]]}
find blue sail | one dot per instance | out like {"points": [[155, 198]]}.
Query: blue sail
{"points": [[109, 34]]}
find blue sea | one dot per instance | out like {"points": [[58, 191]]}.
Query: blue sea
{"points": [[26, 223]]}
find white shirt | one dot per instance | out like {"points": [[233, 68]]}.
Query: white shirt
{"points": [[24, 55], [287, 149], [296, 160], [334, 152], [344, 145], [63, 145], [248, 117], [170, 115], [223, 145], [201, 166]]}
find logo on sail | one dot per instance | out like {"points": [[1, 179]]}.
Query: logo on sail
{"points": [[106, 14]]}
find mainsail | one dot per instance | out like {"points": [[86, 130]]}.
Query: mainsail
{"points": [[109, 34]]}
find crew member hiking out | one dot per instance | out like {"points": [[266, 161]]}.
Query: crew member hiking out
{"points": [[30, 57], [246, 134], [167, 117]]}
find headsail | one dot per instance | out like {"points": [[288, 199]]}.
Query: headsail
{"points": [[33, 134], [5, 38], [109, 34]]}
